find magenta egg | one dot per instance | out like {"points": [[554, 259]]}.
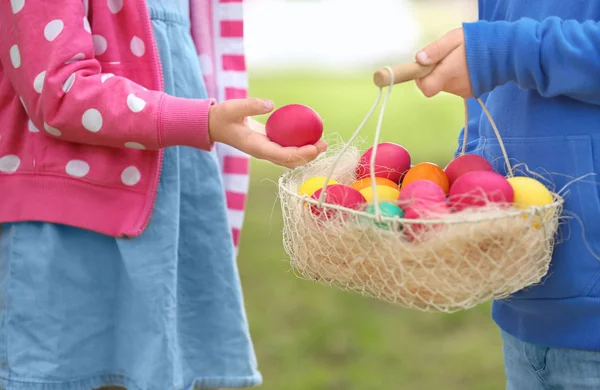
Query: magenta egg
{"points": [[422, 191], [391, 162], [341, 195], [294, 125], [465, 164], [478, 188]]}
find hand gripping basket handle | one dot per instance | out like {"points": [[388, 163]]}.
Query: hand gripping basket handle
{"points": [[402, 73], [391, 75]]}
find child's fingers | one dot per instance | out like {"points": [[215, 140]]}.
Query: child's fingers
{"points": [[240, 108], [259, 146], [299, 156], [432, 84], [438, 50], [305, 154], [321, 146]]}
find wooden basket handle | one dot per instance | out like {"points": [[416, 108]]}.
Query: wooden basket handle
{"points": [[402, 73]]}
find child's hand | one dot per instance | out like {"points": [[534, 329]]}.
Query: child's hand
{"points": [[229, 123], [451, 73]]}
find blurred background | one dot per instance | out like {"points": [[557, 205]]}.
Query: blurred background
{"points": [[322, 53]]}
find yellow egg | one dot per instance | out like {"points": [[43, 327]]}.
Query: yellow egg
{"points": [[310, 186], [385, 193], [530, 193]]}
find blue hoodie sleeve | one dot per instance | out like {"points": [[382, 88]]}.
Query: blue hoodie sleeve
{"points": [[554, 56]]}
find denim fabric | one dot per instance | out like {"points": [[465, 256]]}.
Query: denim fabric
{"points": [[534, 367]]}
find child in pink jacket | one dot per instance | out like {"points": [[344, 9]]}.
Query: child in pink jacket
{"points": [[117, 262]]}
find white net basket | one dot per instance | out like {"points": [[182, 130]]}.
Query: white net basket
{"points": [[444, 263]]}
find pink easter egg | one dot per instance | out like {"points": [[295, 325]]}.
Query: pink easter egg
{"points": [[423, 191], [294, 125], [391, 162], [338, 194], [464, 164], [478, 188]]}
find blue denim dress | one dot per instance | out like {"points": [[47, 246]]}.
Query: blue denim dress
{"points": [[164, 311]]}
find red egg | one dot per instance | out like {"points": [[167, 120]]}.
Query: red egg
{"points": [[294, 125], [391, 162], [464, 164], [338, 194], [478, 188]]}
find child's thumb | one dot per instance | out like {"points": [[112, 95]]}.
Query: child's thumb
{"points": [[438, 50], [253, 106]]}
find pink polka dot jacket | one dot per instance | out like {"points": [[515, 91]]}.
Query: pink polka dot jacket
{"points": [[83, 119]]}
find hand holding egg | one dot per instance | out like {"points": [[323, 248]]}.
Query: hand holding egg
{"points": [[294, 125], [230, 123]]}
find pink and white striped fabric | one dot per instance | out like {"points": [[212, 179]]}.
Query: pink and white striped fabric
{"points": [[218, 33]]}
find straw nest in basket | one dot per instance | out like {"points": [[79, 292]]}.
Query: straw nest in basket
{"points": [[449, 262]]}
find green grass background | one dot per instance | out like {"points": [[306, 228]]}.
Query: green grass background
{"points": [[311, 337]]}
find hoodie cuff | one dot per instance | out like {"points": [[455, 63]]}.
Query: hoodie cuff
{"points": [[185, 122]]}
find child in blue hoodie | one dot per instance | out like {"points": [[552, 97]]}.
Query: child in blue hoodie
{"points": [[536, 65]]}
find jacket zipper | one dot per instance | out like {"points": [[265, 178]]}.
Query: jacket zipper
{"points": [[161, 84]]}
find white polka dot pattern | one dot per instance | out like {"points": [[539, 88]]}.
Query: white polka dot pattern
{"points": [[134, 145], [15, 56], [92, 120], [86, 25], [24, 106], [38, 82], [76, 57], [99, 109], [77, 168], [32, 128], [115, 5], [17, 5], [100, 44], [134, 103], [105, 77], [9, 163], [66, 87], [131, 176], [137, 46], [51, 130], [53, 29]]}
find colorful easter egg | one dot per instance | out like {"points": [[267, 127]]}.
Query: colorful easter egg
{"points": [[313, 184], [464, 164], [366, 182], [421, 191], [337, 194], [294, 125], [384, 194], [427, 171], [391, 162], [531, 193], [387, 209], [479, 188]]}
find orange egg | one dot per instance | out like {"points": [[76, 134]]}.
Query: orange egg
{"points": [[379, 181], [427, 171]]}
